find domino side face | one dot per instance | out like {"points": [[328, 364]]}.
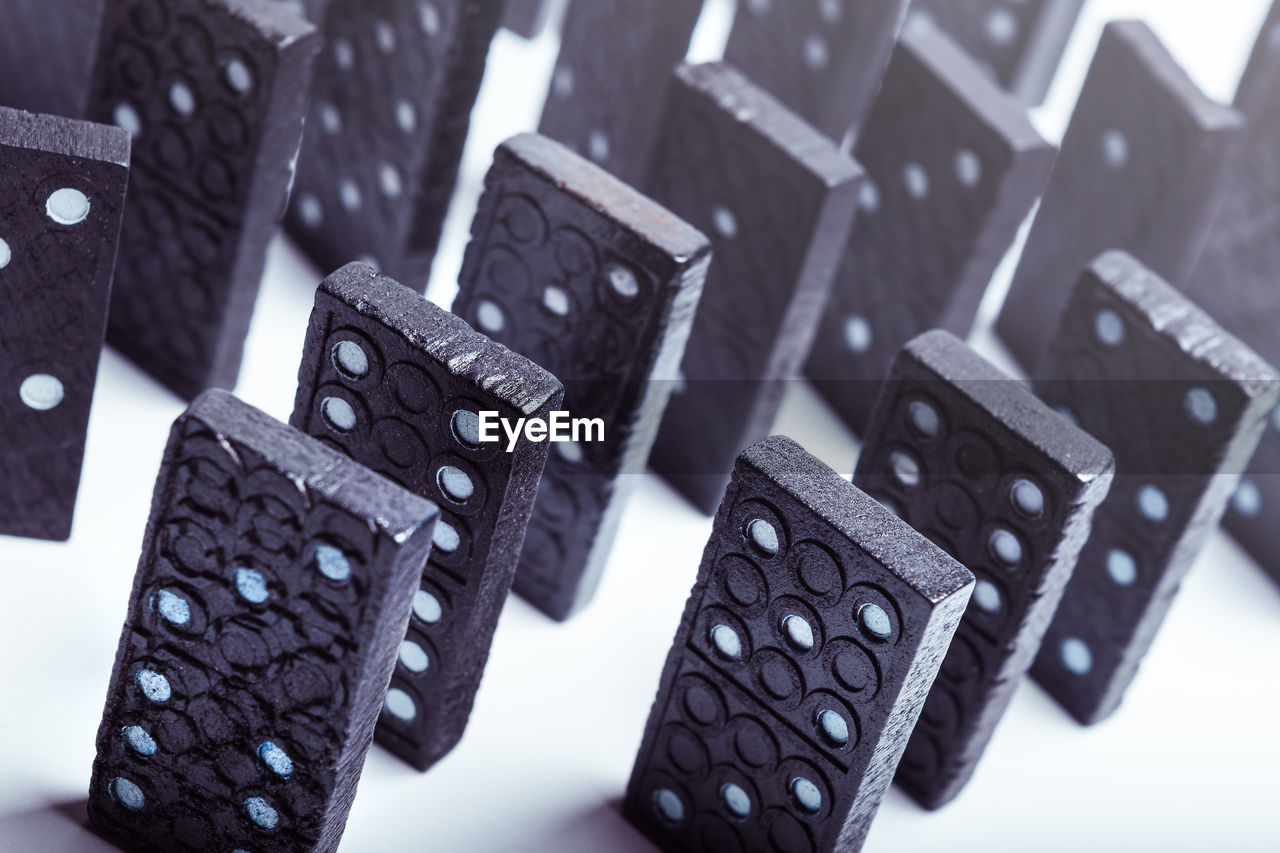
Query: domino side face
{"points": [[776, 198], [274, 586], [62, 190], [597, 284], [971, 459], [824, 59], [809, 641], [609, 89], [398, 384], [1137, 171], [1182, 405], [389, 115], [953, 168], [213, 92]]}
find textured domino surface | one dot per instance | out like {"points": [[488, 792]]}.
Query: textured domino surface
{"points": [[213, 92], [389, 115], [1182, 405], [1005, 485], [598, 284], [396, 383], [1019, 43], [62, 189], [274, 586], [777, 200], [953, 168], [824, 59], [1137, 171], [609, 89], [812, 634]]}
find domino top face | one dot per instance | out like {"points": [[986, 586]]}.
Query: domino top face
{"points": [[1137, 171], [975, 462], [397, 384], [610, 83], [1019, 43], [776, 198], [598, 284], [1182, 404], [213, 93], [62, 189], [389, 113], [810, 638], [953, 167], [822, 58], [274, 585]]}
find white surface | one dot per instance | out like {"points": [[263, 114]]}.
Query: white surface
{"points": [[1191, 762]]}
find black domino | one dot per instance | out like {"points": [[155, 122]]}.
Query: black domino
{"points": [[46, 47]]}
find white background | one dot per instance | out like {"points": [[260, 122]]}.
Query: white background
{"points": [[1191, 762]]}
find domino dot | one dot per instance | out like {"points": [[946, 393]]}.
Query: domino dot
{"points": [[833, 728], [239, 78], [727, 642], [330, 118], [598, 146], [406, 116], [429, 17], [1153, 504], [124, 116], [1005, 547], [445, 537], [139, 740], [759, 7], [874, 622], [1115, 149], [906, 470], [413, 657], [6, 254], [1247, 500], [857, 334], [1068, 415], [172, 608], [400, 704], [562, 82], [556, 300], [276, 759], [799, 632], [1075, 656], [261, 812], [182, 99], [349, 195], [869, 196], [41, 392], [916, 180], [350, 359], [725, 223], [968, 168], [344, 54], [830, 10], [1121, 567], [251, 585], [623, 281], [466, 427], [338, 414], [455, 483], [816, 53], [1108, 327], [310, 211], [735, 799], [763, 537], [67, 206], [332, 563], [1200, 406], [569, 451], [370, 260], [986, 597], [427, 607], [1027, 498], [153, 685], [1273, 39], [1002, 26], [490, 316], [668, 805], [806, 795], [389, 180], [384, 37], [127, 793], [924, 419]]}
